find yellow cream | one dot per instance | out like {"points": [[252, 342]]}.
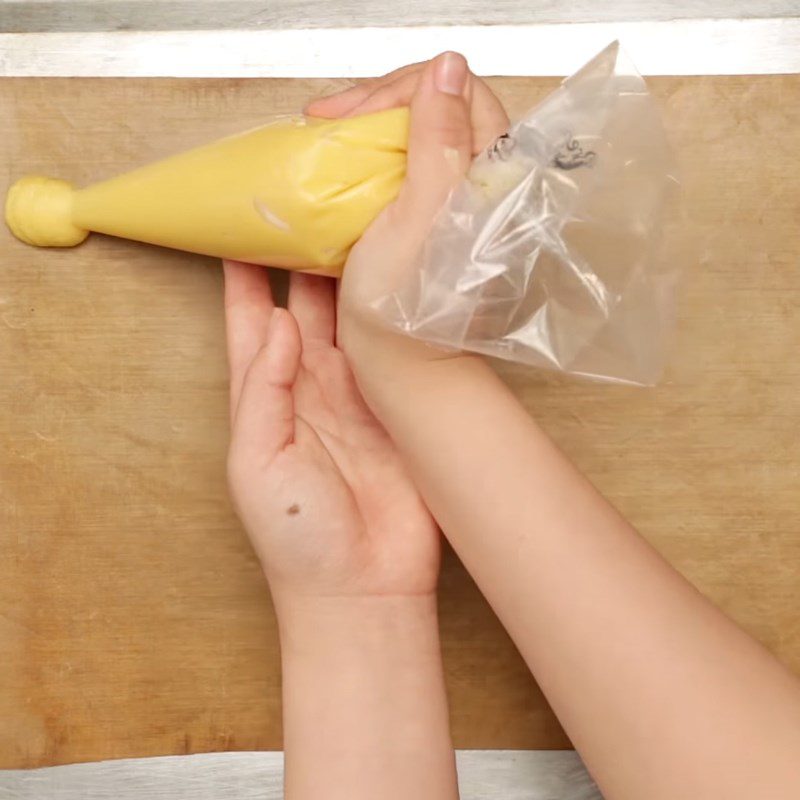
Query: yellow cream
{"points": [[296, 193]]}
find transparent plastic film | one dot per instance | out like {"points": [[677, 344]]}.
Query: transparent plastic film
{"points": [[556, 250]]}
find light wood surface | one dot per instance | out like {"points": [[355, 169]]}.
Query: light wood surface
{"points": [[133, 619]]}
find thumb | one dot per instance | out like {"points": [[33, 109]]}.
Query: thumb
{"points": [[440, 138]]}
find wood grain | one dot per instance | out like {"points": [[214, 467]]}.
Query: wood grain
{"points": [[133, 618]]}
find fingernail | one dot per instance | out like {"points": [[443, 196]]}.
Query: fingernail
{"points": [[450, 73]]}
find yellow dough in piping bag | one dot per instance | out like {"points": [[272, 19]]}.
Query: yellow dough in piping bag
{"points": [[296, 193]]}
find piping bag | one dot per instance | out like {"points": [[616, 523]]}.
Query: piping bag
{"points": [[296, 193], [557, 249]]}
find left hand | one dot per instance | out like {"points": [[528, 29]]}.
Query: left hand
{"points": [[315, 478]]}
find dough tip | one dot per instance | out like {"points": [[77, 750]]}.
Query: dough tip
{"points": [[39, 212]]}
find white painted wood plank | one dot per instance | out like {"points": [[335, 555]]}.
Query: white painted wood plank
{"points": [[686, 47], [108, 15], [483, 775]]}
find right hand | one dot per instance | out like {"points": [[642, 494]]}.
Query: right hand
{"points": [[454, 115]]}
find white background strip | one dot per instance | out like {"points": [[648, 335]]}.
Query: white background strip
{"points": [[677, 47], [483, 775]]}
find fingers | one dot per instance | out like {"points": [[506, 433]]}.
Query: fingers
{"points": [[440, 139], [312, 304], [391, 94], [248, 308], [487, 116], [264, 422], [339, 104]]}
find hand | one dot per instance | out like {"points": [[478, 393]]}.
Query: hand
{"points": [[350, 552], [454, 116], [314, 477]]}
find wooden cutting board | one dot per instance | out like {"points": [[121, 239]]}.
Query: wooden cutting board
{"points": [[133, 618]]}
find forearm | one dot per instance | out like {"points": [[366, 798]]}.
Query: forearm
{"points": [[661, 693], [365, 712]]}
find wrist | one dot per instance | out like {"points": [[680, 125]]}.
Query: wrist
{"points": [[390, 364], [323, 629], [363, 693]]}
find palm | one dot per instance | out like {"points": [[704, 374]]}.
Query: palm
{"points": [[318, 483]]}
